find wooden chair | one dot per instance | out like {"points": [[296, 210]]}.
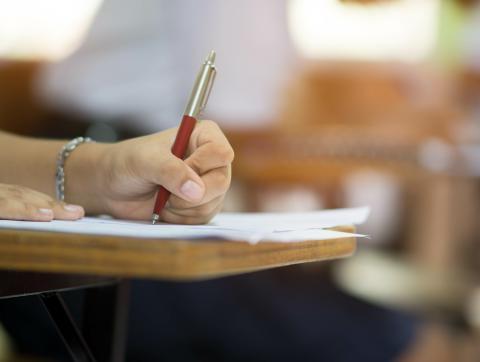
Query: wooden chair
{"points": [[342, 118]]}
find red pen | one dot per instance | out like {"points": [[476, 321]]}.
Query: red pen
{"points": [[196, 104]]}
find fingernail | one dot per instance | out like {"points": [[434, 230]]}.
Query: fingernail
{"points": [[192, 190], [72, 208], [45, 211]]}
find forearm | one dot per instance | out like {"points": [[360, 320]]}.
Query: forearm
{"points": [[28, 162], [32, 163]]}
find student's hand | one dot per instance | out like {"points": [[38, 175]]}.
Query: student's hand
{"points": [[129, 172], [22, 203]]}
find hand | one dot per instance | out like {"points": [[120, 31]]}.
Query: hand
{"points": [[22, 203], [129, 173]]}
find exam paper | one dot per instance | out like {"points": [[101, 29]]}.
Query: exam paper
{"points": [[251, 227]]}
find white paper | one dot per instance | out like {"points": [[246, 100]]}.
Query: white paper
{"points": [[251, 227]]}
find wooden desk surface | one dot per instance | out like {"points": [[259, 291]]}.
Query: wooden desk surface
{"points": [[156, 259]]}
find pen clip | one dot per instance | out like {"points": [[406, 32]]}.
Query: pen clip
{"points": [[213, 73]]}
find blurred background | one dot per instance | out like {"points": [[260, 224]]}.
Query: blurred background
{"points": [[327, 104]]}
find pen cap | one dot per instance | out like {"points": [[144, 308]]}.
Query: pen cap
{"points": [[202, 87]]}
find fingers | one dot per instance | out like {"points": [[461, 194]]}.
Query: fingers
{"points": [[195, 215], [135, 168], [62, 211], [21, 203], [210, 148], [217, 183], [204, 209], [211, 159], [19, 210], [180, 211], [178, 178]]}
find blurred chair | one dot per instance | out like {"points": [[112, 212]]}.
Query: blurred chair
{"points": [[344, 118], [20, 112]]}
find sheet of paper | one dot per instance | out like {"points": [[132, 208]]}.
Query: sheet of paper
{"points": [[251, 227]]}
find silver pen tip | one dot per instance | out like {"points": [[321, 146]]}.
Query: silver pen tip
{"points": [[155, 218], [211, 57]]}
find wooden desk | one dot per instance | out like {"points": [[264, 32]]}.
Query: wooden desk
{"points": [[43, 263], [159, 259]]}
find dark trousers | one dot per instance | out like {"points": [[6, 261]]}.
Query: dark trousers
{"points": [[278, 315]]}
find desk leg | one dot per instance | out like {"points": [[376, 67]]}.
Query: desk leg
{"points": [[105, 321], [66, 327]]}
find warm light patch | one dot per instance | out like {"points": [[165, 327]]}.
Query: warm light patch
{"points": [[390, 30], [43, 29]]}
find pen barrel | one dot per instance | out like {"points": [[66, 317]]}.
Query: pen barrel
{"points": [[184, 132], [179, 149], [162, 196]]}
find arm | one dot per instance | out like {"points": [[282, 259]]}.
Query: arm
{"points": [[28, 162], [121, 179]]}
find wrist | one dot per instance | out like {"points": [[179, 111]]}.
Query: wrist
{"points": [[83, 177]]}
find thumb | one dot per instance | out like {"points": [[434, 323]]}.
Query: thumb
{"points": [[180, 179]]}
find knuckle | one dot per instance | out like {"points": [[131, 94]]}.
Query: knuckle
{"points": [[55, 204], [205, 210], [193, 216], [205, 213], [214, 207], [222, 181], [195, 163], [170, 167], [16, 191], [176, 202], [175, 218], [29, 209], [58, 207], [195, 220], [204, 219], [210, 123], [171, 174], [225, 153]]}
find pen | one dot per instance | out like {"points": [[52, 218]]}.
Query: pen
{"points": [[196, 103]]}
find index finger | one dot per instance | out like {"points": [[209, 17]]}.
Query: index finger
{"points": [[210, 148]]}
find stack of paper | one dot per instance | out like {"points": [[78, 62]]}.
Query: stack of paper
{"points": [[251, 227]]}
